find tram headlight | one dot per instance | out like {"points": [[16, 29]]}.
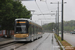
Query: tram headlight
{"points": [[27, 34], [14, 35]]}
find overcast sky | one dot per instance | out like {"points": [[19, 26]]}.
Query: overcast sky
{"points": [[69, 10]]}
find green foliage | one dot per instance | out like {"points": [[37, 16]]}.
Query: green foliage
{"points": [[49, 26], [9, 11], [68, 26]]}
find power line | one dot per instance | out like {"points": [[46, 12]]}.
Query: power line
{"points": [[45, 14], [47, 5], [39, 8]]}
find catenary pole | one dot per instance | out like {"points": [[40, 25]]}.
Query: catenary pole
{"points": [[62, 22]]}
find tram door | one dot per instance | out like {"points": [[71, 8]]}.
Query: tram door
{"points": [[32, 30]]}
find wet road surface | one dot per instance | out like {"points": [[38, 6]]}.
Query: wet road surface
{"points": [[44, 43]]}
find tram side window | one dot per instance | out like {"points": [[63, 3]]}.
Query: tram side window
{"points": [[40, 30], [35, 30], [29, 30], [32, 28]]}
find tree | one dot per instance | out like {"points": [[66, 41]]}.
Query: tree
{"points": [[49, 27], [9, 11]]}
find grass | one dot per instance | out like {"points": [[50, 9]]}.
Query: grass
{"points": [[65, 43]]}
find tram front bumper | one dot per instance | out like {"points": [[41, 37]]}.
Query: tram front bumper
{"points": [[20, 39]]}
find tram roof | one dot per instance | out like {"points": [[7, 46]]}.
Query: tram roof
{"points": [[28, 20]]}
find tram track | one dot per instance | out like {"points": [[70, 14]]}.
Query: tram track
{"points": [[23, 45], [20, 45], [15, 45], [12, 45], [41, 43], [6, 44]]}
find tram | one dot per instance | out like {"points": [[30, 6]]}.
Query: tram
{"points": [[26, 30]]}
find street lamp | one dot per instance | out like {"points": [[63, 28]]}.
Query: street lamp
{"points": [[61, 17], [62, 14], [55, 21], [62, 22], [57, 17]]}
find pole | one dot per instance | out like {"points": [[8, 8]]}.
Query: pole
{"points": [[62, 22], [58, 18], [56, 22], [41, 22]]}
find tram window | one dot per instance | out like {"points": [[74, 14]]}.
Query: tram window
{"points": [[31, 29], [21, 29], [34, 29]]}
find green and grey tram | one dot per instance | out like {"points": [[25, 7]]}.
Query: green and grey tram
{"points": [[26, 30]]}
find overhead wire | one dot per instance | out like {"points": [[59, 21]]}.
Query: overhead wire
{"points": [[47, 5], [39, 9]]}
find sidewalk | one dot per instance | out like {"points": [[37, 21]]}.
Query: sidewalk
{"points": [[5, 41]]}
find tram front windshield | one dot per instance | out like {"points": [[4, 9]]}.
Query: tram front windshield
{"points": [[21, 28]]}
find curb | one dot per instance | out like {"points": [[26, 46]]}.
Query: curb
{"points": [[60, 43]]}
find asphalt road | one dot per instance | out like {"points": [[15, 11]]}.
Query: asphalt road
{"points": [[70, 38], [44, 43]]}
